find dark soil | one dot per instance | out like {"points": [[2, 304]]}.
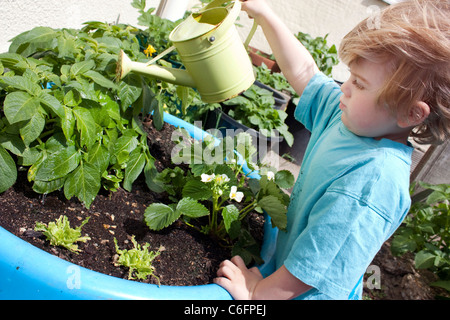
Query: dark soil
{"points": [[188, 257]]}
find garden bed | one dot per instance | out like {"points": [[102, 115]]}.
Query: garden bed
{"points": [[188, 257]]}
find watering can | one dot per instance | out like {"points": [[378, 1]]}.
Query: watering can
{"points": [[216, 60]]}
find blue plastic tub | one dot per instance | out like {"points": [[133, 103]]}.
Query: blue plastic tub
{"points": [[27, 272]]}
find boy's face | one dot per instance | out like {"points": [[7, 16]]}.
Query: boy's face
{"points": [[361, 113]]}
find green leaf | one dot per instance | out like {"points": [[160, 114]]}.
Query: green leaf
{"points": [[230, 215], [81, 67], [100, 79], [436, 197], [86, 126], [22, 83], [284, 179], [146, 101], [28, 42], [68, 123], [159, 216], [20, 106], [8, 170], [197, 190], [191, 208], [402, 244], [130, 89], [53, 103], [33, 129], [45, 187], [98, 156], [134, 167], [125, 144], [424, 259], [276, 210], [441, 284], [247, 248], [58, 164], [72, 98], [84, 183], [158, 115], [61, 234]]}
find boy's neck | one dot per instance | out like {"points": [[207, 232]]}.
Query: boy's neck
{"points": [[401, 137]]}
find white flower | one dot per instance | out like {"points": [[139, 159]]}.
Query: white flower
{"points": [[222, 178], [236, 195], [270, 175], [207, 177]]}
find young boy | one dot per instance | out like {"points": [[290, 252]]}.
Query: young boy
{"points": [[352, 192]]}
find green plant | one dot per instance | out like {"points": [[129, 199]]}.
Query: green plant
{"points": [[60, 233], [274, 80], [62, 116], [426, 232], [215, 187], [326, 57], [138, 260], [254, 108], [157, 29]]}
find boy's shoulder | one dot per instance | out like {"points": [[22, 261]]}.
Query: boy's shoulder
{"points": [[319, 102]]}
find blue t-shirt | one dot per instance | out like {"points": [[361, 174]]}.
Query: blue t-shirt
{"points": [[351, 195]]}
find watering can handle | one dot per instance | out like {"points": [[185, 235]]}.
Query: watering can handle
{"points": [[234, 13]]}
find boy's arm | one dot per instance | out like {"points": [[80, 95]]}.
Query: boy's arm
{"points": [[249, 284], [294, 60]]}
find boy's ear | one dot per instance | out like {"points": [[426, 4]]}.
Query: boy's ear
{"points": [[416, 115]]}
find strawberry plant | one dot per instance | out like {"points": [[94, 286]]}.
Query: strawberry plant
{"points": [[64, 119], [216, 189]]}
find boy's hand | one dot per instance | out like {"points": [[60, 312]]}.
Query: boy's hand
{"points": [[255, 8], [237, 279]]}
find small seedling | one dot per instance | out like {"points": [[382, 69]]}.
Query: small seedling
{"points": [[61, 234], [138, 260]]}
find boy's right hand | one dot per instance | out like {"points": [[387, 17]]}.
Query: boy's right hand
{"points": [[255, 8]]}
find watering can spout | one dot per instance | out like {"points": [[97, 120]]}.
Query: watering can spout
{"points": [[171, 75]]}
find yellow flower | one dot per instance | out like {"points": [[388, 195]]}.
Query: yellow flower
{"points": [[149, 51]]}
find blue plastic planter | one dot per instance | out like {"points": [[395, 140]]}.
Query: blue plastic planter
{"points": [[27, 272]]}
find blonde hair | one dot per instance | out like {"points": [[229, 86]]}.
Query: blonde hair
{"points": [[413, 39]]}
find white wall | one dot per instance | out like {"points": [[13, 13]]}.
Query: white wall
{"points": [[317, 18]]}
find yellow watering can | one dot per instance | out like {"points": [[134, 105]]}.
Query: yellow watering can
{"points": [[216, 60]]}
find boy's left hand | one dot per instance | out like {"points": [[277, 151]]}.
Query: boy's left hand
{"points": [[237, 279]]}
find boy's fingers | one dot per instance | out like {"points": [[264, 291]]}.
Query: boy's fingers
{"points": [[239, 262], [225, 271], [223, 282], [256, 271]]}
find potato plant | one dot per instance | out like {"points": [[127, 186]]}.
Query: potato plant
{"points": [[65, 120]]}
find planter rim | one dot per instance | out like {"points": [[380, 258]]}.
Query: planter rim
{"points": [[54, 278]]}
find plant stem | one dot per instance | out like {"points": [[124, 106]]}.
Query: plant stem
{"points": [[247, 209]]}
